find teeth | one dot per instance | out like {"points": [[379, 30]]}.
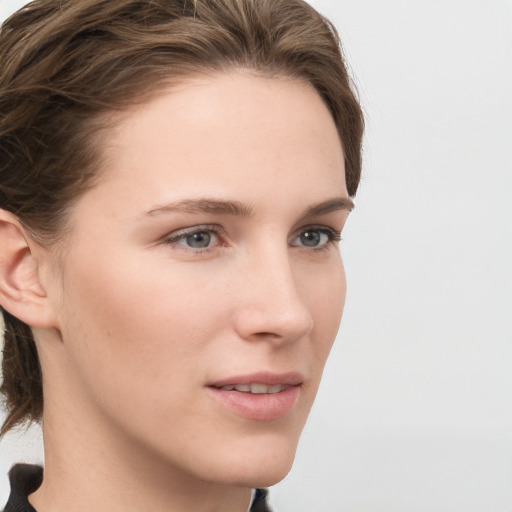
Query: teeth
{"points": [[255, 388], [259, 389]]}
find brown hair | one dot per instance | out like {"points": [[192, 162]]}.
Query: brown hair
{"points": [[65, 62]]}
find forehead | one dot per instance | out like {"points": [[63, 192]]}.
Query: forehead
{"points": [[236, 106], [215, 135]]}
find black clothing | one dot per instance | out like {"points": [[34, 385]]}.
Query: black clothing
{"points": [[26, 479]]}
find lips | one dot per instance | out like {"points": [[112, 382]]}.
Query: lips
{"points": [[261, 378], [262, 396]]}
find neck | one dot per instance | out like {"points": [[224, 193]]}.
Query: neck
{"points": [[88, 470]]}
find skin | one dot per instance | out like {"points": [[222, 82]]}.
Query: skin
{"points": [[138, 323]]}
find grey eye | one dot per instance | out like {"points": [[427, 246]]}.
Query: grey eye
{"points": [[313, 237], [195, 239], [200, 240]]}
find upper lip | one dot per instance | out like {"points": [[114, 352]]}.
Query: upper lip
{"points": [[267, 378]]}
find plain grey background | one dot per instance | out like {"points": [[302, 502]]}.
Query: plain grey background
{"points": [[415, 410]]}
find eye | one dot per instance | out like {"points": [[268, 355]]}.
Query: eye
{"points": [[316, 237], [198, 238]]}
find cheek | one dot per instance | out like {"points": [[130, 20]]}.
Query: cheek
{"points": [[133, 328], [326, 301]]}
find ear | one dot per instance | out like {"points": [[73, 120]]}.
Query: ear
{"points": [[21, 291]]}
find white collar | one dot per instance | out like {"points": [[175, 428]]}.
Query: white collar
{"points": [[253, 494]]}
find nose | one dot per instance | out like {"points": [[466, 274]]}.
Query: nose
{"points": [[271, 306]]}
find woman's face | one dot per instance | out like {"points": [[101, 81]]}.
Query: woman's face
{"points": [[202, 286]]}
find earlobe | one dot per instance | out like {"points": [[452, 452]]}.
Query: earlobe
{"points": [[21, 291]]}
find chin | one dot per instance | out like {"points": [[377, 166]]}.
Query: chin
{"points": [[261, 463], [266, 475], [270, 476]]}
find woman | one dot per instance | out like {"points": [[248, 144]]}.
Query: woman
{"points": [[175, 176]]}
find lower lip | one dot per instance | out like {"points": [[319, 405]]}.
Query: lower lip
{"points": [[255, 406]]}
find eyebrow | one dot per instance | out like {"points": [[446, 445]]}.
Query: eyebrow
{"points": [[331, 205], [239, 209], [205, 205]]}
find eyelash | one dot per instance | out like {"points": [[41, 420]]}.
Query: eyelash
{"points": [[333, 237], [183, 234]]}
